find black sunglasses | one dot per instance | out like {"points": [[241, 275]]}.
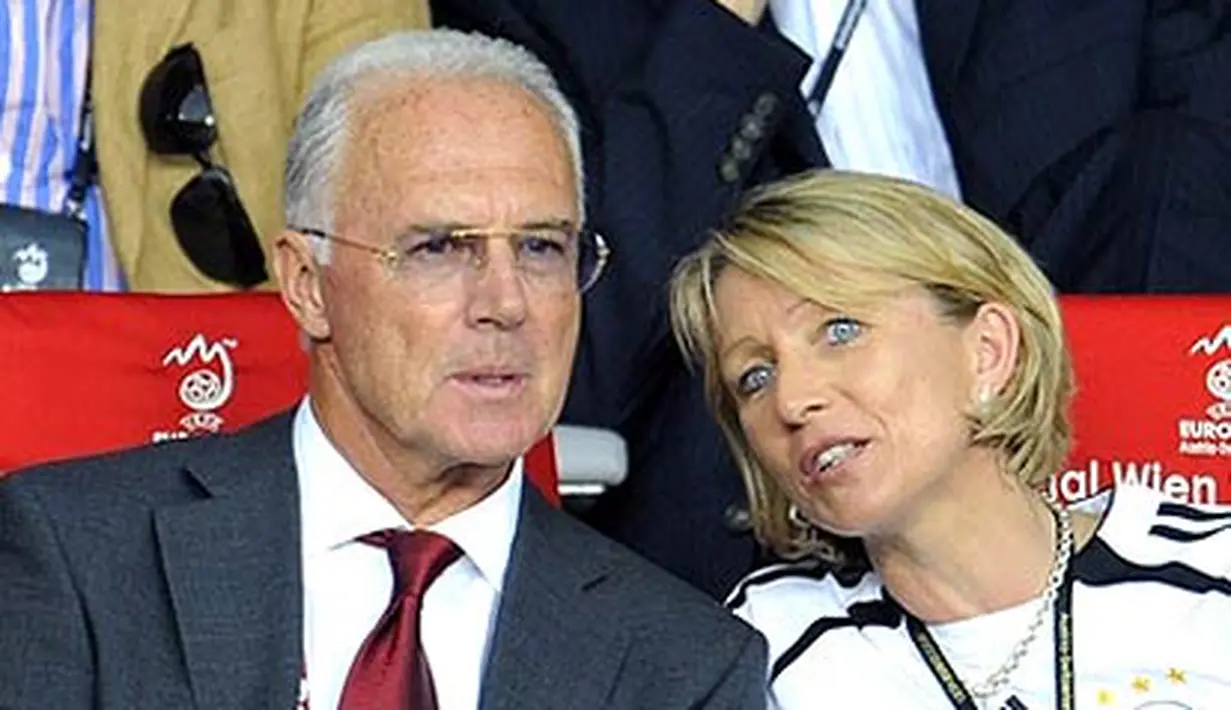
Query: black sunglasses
{"points": [[210, 222]]}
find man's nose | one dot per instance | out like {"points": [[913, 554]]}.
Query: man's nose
{"points": [[496, 287]]}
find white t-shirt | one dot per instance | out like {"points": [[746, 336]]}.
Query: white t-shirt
{"points": [[1151, 605]]}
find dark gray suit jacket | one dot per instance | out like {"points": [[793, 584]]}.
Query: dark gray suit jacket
{"points": [[169, 577]]}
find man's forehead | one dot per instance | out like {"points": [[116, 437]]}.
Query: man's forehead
{"points": [[410, 104], [490, 145], [433, 124]]}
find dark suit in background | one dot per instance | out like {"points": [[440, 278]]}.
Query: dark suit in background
{"points": [[170, 578], [1099, 132]]}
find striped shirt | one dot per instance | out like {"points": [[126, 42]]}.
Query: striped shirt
{"points": [[44, 51]]}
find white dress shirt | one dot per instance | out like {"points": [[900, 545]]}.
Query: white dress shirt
{"points": [[348, 584], [880, 115]]}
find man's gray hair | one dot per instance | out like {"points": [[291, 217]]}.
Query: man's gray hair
{"points": [[317, 146]]}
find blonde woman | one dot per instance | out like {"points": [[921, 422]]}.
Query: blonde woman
{"points": [[891, 374]]}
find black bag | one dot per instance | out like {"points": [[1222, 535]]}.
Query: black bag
{"points": [[40, 250]]}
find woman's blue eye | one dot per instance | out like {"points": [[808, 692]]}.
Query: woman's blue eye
{"points": [[753, 380], [843, 330]]}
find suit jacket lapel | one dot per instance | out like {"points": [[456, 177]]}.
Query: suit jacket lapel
{"points": [[232, 562], [946, 28], [550, 650]]}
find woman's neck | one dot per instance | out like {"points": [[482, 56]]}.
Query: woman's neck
{"points": [[984, 544]]}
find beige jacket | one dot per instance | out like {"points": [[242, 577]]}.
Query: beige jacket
{"points": [[259, 58]]}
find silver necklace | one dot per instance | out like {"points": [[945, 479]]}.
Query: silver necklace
{"points": [[1059, 567]]}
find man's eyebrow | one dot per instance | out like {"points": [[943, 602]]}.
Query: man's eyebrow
{"points": [[548, 223], [552, 223]]}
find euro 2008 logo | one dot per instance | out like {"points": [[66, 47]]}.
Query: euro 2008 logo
{"points": [[1218, 382], [1218, 376], [1210, 435], [205, 387]]}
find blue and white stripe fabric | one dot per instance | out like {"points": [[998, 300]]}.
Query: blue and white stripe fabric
{"points": [[44, 50]]}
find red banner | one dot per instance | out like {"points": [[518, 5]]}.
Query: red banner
{"points": [[1153, 399], [84, 373]]}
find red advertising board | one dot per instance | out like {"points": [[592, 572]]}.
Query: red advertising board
{"points": [[1153, 398]]}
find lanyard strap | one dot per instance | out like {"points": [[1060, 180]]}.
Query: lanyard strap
{"points": [[956, 691], [837, 50], [85, 164], [1063, 623]]}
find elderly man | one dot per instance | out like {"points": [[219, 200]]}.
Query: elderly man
{"points": [[435, 263]]}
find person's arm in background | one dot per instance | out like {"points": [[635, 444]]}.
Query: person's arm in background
{"points": [[1187, 84], [334, 26], [1144, 202], [664, 92]]}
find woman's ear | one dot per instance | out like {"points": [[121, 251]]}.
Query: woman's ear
{"points": [[995, 340], [301, 276]]}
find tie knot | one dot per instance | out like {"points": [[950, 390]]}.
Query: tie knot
{"points": [[417, 557]]}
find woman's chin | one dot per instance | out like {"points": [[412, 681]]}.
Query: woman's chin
{"points": [[850, 515]]}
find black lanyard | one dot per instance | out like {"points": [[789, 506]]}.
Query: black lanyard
{"points": [[1062, 615], [829, 67], [85, 164]]}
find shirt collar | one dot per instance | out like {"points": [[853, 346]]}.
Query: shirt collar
{"points": [[337, 505]]}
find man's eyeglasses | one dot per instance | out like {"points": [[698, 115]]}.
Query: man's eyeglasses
{"points": [[551, 259], [210, 222]]}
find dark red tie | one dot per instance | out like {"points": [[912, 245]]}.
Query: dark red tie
{"points": [[390, 672]]}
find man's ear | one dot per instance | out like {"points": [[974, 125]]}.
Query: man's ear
{"points": [[995, 342], [301, 277]]}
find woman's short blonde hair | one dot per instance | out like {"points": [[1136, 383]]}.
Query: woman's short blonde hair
{"points": [[848, 241]]}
